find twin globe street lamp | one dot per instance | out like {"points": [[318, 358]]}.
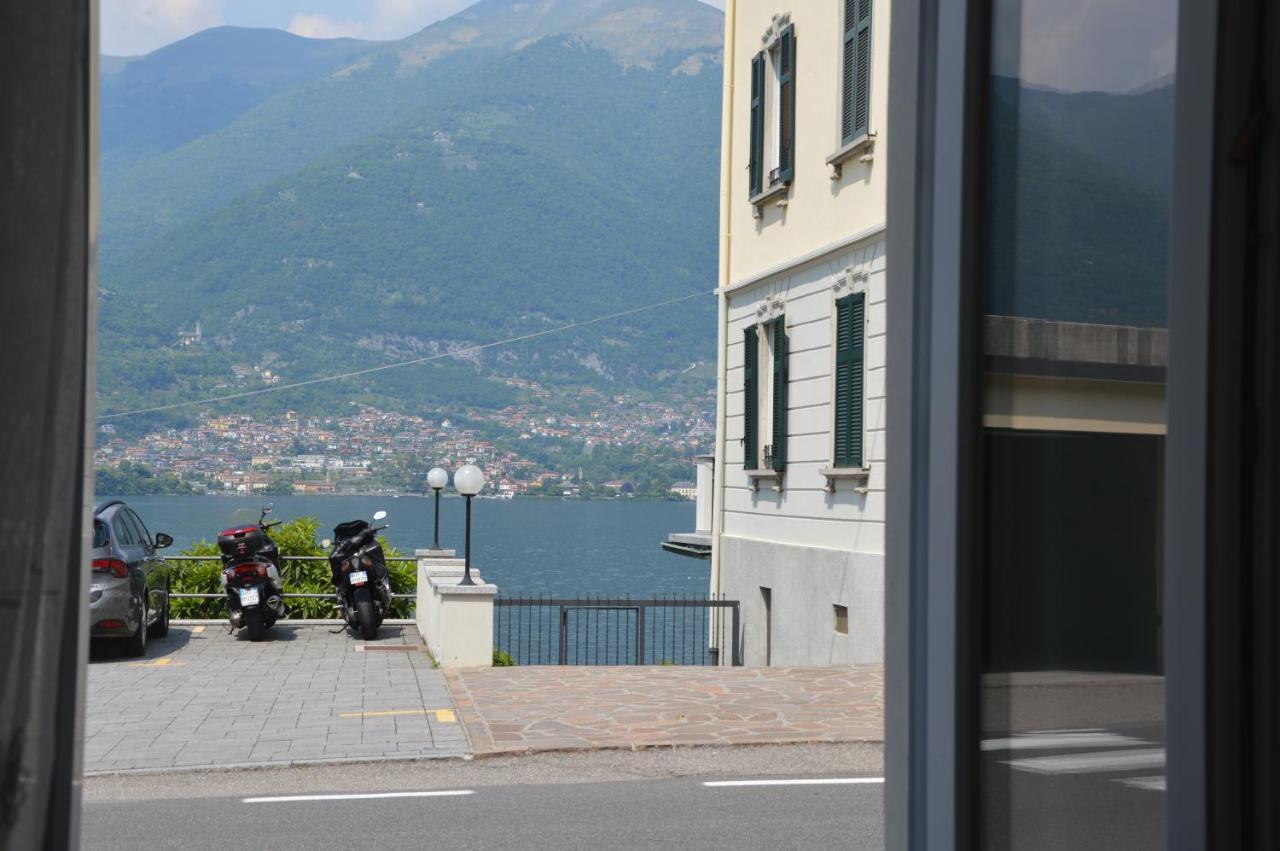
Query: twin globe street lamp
{"points": [[468, 480]]}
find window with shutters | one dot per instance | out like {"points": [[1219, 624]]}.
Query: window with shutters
{"points": [[849, 396], [855, 83], [771, 163], [856, 87], [765, 379]]}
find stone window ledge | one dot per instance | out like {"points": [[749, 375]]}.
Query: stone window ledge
{"points": [[778, 191], [862, 147], [772, 476], [860, 476]]}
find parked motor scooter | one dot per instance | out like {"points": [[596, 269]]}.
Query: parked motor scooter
{"points": [[360, 578], [251, 573]]}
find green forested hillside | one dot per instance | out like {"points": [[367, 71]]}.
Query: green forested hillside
{"points": [[529, 184]]}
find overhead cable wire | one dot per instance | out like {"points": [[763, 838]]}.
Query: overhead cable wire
{"points": [[438, 356]]}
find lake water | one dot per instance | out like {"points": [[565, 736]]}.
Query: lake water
{"points": [[560, 547]]}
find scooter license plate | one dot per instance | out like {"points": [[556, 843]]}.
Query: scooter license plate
{"points": [[359, 577], [248, 596]]}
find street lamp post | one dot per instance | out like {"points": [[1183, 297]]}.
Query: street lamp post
{"points": [[436, 480], [468, 480]]}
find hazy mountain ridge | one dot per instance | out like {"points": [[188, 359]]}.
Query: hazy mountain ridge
{"points": [[1080, 229], [157, 102]]}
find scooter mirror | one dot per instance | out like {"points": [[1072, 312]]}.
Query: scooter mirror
{"points": [[378, 515], [326, 543]]}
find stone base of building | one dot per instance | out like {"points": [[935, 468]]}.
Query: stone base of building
{"points": [[796, 622]]}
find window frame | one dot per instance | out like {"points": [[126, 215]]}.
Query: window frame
{"points": [[768, 394], [858, 288], [767, 132]]}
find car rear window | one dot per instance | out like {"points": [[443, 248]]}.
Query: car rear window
{"points": [[101, 537]]}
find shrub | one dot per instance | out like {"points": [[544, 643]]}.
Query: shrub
{"points": [[502, 659]]}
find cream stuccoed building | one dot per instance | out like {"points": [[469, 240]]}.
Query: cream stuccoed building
{"points": [[798, 518]]}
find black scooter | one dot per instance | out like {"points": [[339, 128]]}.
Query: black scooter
{"points": [[251, 575], [360, 577]]}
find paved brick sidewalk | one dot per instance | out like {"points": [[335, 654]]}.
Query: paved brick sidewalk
{"points": [[203, 698], [570, 708]]}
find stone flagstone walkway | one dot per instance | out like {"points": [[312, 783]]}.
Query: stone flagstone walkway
{"points": [[205, 699], [511, 710]]}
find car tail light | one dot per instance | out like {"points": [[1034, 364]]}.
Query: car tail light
{"points": [[111, 623], [114, 566]]}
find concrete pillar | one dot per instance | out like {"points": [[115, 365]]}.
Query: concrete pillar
{"points": [[705, 493], [432, 563], [460, 631]]}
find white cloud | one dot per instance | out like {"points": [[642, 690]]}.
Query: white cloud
{"points": [[130, 27], [390, 19]]}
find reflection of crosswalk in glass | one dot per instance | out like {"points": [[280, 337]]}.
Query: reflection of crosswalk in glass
{"points": [[1125, 756]]}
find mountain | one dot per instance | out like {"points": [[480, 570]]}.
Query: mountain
{"points": [[513, 168], [157, 102], [1080, 200], [296, 126]]}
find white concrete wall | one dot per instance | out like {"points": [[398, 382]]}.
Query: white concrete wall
{"points": [[804, 513], [806, 583], [813, 549]]}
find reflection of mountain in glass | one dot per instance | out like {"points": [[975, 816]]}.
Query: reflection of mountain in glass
{"points": [[1080, 204]]}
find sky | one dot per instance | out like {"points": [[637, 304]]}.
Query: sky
{"points": [[1085, 45], [133, 27]]}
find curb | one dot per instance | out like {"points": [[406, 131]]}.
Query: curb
{"points": [[266, 766]]}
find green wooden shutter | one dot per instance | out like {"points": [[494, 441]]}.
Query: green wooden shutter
{"points": [[755, 163], [850, 356], [779, 330], [787, 105], [856, 89], [751, 399]]}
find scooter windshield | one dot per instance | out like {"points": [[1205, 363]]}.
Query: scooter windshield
{"points": [[242, 517]]}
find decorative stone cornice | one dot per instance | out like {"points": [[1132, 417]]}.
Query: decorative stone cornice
{"points": [[774, 32]]}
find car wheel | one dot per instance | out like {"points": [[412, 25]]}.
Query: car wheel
{"points": [[160, 628], [136, 644]]}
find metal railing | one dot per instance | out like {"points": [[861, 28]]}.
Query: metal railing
{"points": [[287, 595], [598, 630]]}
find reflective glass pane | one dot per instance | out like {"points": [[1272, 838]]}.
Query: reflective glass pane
{"points": [[1075, 344]]}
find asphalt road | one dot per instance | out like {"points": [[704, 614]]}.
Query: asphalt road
{"points": [[676, 811]]}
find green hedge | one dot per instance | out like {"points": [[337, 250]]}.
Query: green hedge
{"points": [[295, 538]]}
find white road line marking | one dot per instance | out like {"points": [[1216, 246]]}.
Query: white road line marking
{"points": [[1157, 783], [1061, 739], [814, 781], [286, 799], [1086, 763]]}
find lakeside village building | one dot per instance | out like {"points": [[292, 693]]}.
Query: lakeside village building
{"points": [[797, 524]]}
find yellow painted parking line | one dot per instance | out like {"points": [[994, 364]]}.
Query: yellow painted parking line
{"points": [[155, 663], [197, 629], [444, 716]]}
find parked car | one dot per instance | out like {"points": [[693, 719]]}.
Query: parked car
{"points": [[129, 583]]}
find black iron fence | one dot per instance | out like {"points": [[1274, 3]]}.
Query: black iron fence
{"points": [[598, 630]]}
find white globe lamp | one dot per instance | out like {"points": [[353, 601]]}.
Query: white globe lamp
{"points": [[468, 480], [436, 480]]}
